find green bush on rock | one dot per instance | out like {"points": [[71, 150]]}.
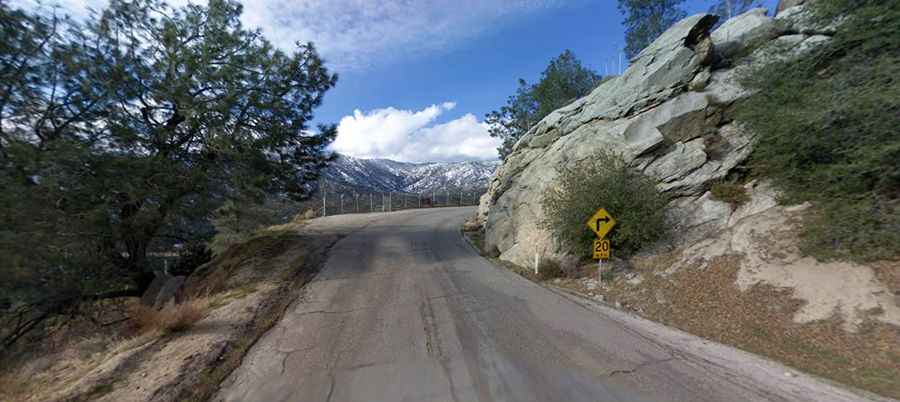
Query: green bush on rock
{"points": [[605, 181]]}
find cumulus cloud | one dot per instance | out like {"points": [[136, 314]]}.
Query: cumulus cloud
{"points": [[355, 34], [415, 136]]}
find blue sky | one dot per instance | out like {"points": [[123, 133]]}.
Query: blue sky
{"points": [[418, 76]]}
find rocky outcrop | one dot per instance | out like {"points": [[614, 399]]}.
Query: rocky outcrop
{"points": [[163, 290], [764, 237], [789, 4], [737, 34], [669, 114]]}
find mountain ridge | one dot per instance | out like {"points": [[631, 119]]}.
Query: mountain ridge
{"points": [[348, 173]]}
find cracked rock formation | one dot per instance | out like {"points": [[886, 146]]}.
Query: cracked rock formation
{"points": [[669, 114]]}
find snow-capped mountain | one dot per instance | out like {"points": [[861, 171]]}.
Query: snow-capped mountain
{"points": [[376, 175]]}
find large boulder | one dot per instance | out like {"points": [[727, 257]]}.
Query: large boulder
{"points": [[763, 237], [800, 20], [743, 31], [788, 4], [149, 297], [163, 290], [668, 114]]}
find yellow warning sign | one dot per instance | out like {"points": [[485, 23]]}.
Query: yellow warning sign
{"points": [[601, 249], [601, 222]]}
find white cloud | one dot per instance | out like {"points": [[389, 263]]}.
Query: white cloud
{"points": [[354, 34], [413, 136]]}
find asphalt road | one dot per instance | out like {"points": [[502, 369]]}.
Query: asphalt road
{"points": [[406, 310]]}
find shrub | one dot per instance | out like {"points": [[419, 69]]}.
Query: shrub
{"points": [[607, 275], [549, 269], [605, 181], [172, 318], [732, 193], [827, 125]]}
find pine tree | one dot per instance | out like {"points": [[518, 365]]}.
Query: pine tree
{"points": [[646, 20], [119, 136], [564, 80]]}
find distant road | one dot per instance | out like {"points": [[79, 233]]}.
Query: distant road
{"points": [[406, 310]]}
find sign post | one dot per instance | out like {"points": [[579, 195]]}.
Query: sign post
{"points": [[601, 223]]}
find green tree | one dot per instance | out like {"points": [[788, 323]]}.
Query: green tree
{"points": [[513, 119], [121, 135], [564, 80], [646, 20]]}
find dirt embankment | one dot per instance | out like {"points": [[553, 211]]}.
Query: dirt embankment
{"points": [[244, 292]]}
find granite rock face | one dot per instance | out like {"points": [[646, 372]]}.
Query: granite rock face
{"points": [[669, 114]]}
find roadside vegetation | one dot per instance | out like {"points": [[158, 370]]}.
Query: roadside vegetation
{"points": [[731, 192], [838, 147], [129, 138], [605, 181], [564, 80], [176, 318], [181, 352]]}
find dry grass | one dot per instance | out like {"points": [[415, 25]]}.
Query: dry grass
{"points": [[759, 320], [29, 379], [173, 318], [138, 359], [732, 193], [307, 215]]}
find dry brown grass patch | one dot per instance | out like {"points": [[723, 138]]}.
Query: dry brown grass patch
{"points": [[172, 318], [29, 379], [708, 303]]}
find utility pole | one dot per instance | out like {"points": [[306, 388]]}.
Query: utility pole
{"points": [[324, 206], [342, 204], [620, 63]]}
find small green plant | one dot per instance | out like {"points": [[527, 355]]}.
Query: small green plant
{"points": [[605, 181], [607, 275], [732, 193]]}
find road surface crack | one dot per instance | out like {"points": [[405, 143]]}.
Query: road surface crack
{"points": [[330, 388], [639, 366], [432, 337], [331, 312]]}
